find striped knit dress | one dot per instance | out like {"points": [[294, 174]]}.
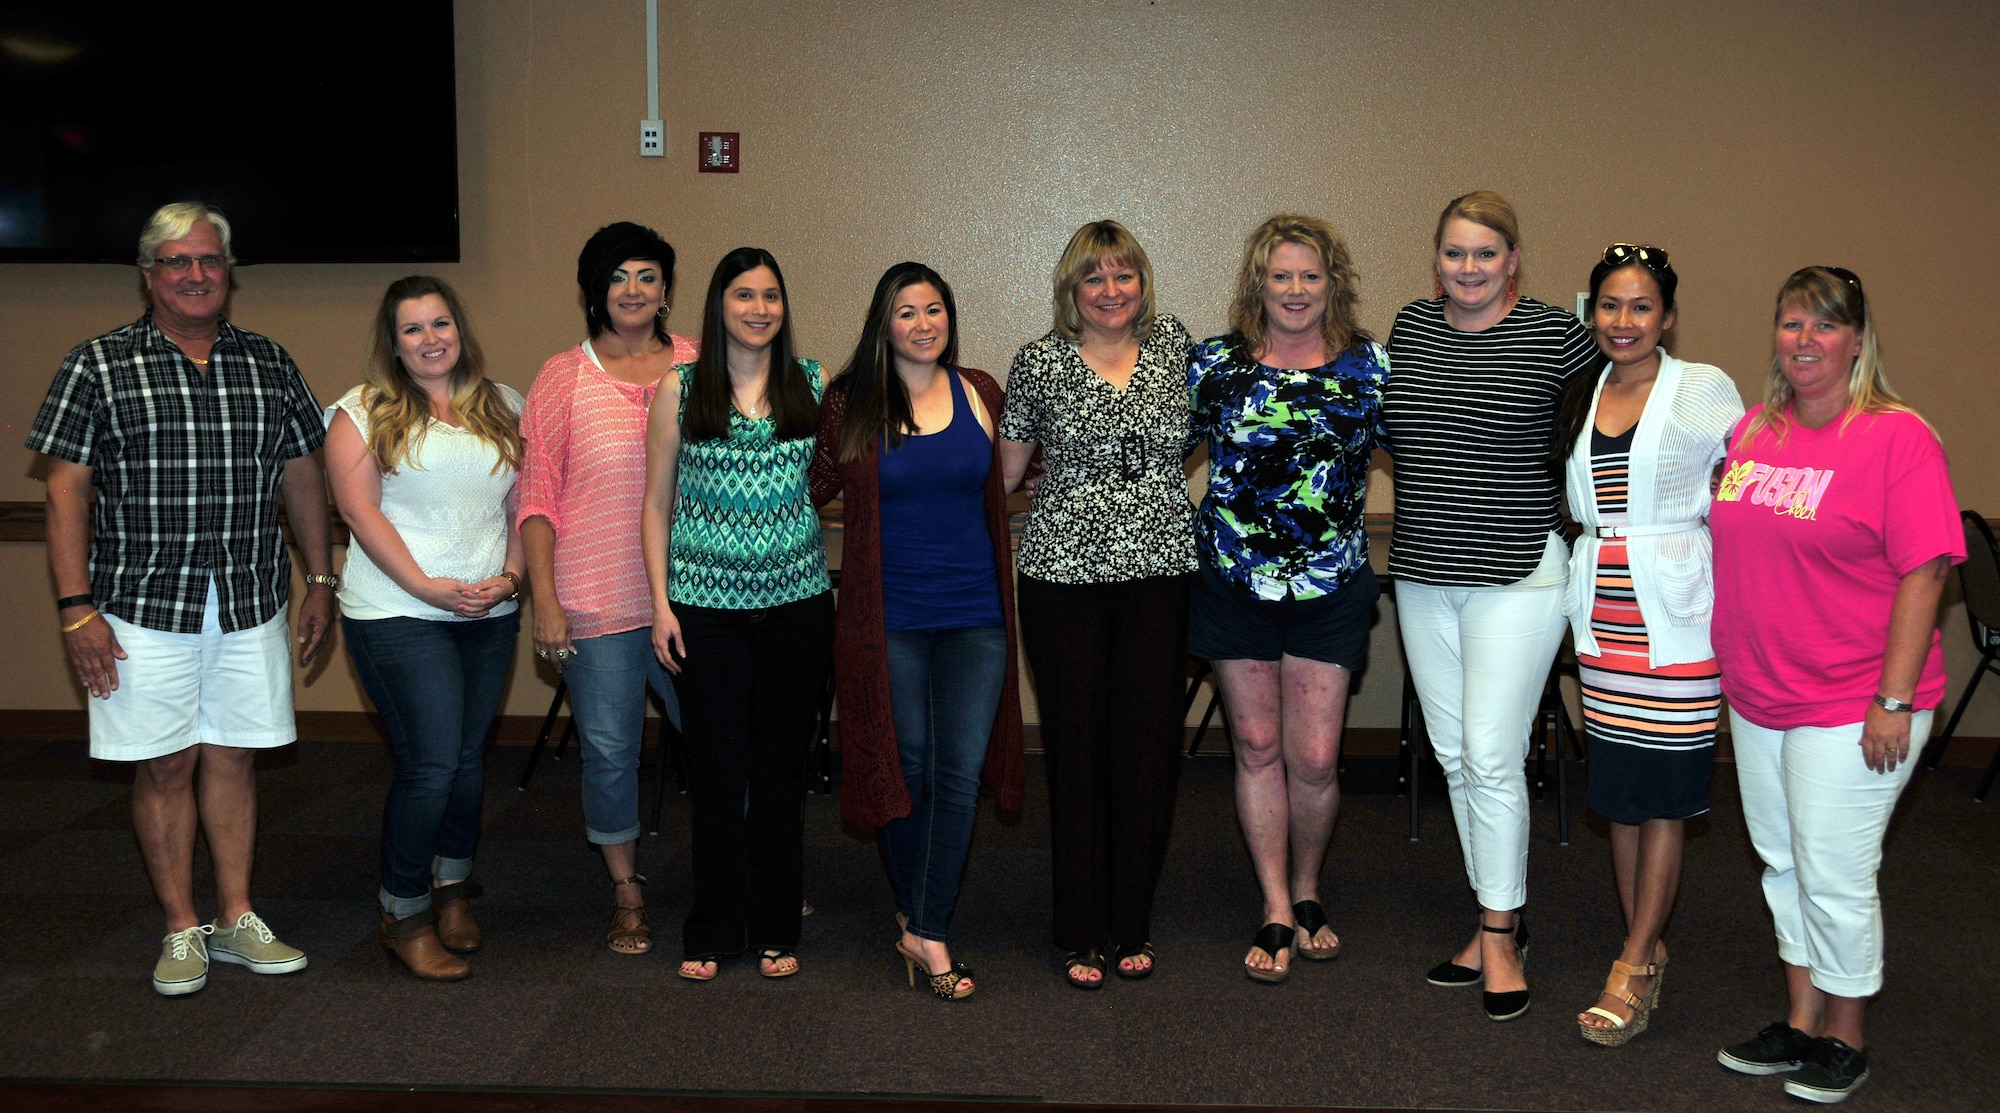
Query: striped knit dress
{"points": [[1651, 730]]}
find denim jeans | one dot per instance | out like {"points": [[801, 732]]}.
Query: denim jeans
{"points": [[608, 677], [437, 687], [753, 680], [944, 690]]}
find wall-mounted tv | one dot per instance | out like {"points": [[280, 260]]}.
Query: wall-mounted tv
{"points": [[325, 132]]}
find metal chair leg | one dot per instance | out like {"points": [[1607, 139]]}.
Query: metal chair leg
{"points": [[1411, 742], [670, 742], [542, 739], [821, 779], [1986, 662], [1201, 672]]}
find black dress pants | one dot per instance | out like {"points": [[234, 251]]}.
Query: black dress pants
{"points": [[1110, 664], [749, 688]]}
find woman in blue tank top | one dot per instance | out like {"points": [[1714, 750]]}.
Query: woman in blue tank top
{"points": [[924, 633]]}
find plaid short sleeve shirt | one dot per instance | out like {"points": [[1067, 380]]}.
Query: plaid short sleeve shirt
{"points": [[187, 468]]}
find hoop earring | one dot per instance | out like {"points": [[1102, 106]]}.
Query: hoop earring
{"points": [[661, 312]]}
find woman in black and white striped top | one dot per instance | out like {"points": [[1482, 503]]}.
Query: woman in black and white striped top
{"points": [[1476, 374]]}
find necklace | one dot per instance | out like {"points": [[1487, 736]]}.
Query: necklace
{"points": [[199, 362]]}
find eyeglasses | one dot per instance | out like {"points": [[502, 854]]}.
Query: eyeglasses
{"points": [[1646, 255], [179, 264]]}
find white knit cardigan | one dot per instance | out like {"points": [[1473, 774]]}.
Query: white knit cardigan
{"points": [[1683, 432]]}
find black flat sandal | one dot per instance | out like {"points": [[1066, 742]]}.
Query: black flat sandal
{"points": [[1271, 939], [1143, 950], [1514, 1002], [1092, 959], [1453, 976], [1311, 917]]}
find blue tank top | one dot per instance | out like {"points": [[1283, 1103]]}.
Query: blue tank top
{"points": [[937, 558]]}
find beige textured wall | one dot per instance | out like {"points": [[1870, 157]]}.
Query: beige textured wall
{"points": [[1748, 139]]}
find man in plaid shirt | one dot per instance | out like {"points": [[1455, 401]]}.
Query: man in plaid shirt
{"points": [[191, 430]]}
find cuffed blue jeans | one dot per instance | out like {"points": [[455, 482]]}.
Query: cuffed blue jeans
{"points": [[437, 687], [944, 689], [608, 677]]}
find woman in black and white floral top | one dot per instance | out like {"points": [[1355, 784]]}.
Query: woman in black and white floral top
{"points": [[1104, 568]]}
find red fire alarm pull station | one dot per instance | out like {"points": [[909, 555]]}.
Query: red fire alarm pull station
{"points": [[720, 152]]}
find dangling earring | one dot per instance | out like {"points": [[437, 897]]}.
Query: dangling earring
{"points": [[661, 312], [1437, 285], [1510, 287]]}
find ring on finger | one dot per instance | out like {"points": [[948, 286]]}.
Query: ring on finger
{"points": [[542, 653], [562, 654]]}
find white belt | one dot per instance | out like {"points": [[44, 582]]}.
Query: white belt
{"points": [[1645, 531]]}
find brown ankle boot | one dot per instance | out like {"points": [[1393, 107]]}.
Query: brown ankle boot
{"points": [[455, 925], [414, 940]]}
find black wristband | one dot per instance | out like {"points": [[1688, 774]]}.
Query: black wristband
{"points": [[68, 601]]}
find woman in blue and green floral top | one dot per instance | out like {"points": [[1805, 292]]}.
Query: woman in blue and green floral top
{"points": [[1289, 402]]}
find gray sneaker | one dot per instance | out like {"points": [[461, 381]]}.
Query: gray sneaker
{"points": [[183, 965], [251, 944]]}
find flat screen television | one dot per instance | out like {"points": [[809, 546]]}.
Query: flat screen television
{"points": [[324, 132]]}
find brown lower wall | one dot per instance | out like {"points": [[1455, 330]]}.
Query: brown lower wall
{"points": [[520, 730]]}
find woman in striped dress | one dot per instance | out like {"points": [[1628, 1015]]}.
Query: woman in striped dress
{"points": [[1641, 439]]}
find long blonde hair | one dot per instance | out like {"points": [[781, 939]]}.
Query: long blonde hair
{"points": [[399, 413], [1832, 294]]}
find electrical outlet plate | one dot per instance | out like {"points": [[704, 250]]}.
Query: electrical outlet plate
{"points": [[653, 138], [1583, 306]]}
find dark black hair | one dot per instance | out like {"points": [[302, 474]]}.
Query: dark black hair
{"points": [[1574, 409], [794, 410], [878, 404], [608, 249]]}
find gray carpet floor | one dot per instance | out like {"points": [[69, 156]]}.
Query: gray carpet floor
{"points": [[550, 1007]]}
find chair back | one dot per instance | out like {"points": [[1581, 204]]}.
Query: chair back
{"points": [[1979, 580]]}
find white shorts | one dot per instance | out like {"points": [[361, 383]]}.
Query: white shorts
{"points": [[177, 690]]}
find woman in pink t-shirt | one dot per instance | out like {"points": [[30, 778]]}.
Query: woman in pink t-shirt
{"points": [[1834, 529], [583, 478]]}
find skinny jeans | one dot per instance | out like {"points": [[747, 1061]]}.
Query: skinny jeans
{"points": [[437, 687]]}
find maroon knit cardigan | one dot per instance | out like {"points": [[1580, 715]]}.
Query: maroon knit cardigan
{"points": [[872, 791]]}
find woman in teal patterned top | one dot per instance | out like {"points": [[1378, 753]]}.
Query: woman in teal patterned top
{"points": [[742, 608]]}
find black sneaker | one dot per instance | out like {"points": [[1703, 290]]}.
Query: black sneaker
{"points": [[1775, 1050], [1832, 1071]]}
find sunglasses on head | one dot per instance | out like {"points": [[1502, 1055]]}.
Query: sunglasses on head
{"points": [[1853, 281], [1646, 255]]}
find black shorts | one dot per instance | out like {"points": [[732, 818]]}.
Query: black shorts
{"points": [[1227, 623]]}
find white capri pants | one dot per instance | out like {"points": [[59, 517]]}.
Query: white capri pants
{"points": [[1817, 815], [1479, 659]]}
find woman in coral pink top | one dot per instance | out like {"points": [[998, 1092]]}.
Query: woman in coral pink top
{"points": [[583, 477], [1834, 528]]}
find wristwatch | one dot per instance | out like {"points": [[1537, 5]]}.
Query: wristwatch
{"points": [[1890, 703], [315, 579]]}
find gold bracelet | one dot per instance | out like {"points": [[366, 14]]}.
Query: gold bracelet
{"points": [[80, 623], [515, 580]]}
